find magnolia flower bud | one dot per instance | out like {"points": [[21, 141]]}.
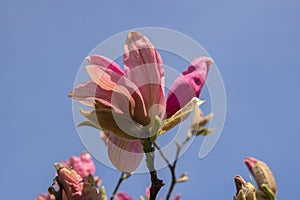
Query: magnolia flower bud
{"points": [[262, 174], [74, 187], [244, 190]]}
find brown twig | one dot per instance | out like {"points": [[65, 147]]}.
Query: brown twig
{"points": [[121, 179], [156, 183], [172, 167]]}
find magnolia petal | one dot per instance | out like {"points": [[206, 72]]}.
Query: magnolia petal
{"points": [[138, 50], [121, 92], [181, 114], [105, 62], [125, 155], [143, 66], [87, 92], [188, 85], [123, 196]]}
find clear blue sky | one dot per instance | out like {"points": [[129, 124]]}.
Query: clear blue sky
{"points": [[255, 44]]}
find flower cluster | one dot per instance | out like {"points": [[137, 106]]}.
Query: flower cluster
{"points": [[75, 178], [264, 179]]}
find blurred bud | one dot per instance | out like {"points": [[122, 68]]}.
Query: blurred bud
{"points": [[183, 178], [103, 193], [244, 190], [123, 196], [262, 175], [198, 123], [73, 186]]}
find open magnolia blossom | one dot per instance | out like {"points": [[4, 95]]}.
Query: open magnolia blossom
{"points": [[130, 106]]}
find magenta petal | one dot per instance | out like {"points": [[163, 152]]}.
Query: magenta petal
{"points": [[104, 62], [188, 85], [125, 155], [123, 196]]}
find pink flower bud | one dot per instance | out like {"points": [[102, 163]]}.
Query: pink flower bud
{"points": [[262, 173]]}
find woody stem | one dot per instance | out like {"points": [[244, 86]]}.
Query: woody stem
{"points": [[156, 183]]}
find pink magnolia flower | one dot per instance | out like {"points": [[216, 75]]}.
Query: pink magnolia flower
{"points": [[130, 105], [84, 166]]}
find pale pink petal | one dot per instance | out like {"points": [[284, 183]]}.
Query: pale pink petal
{"points": [[188, 85], [143, 66], [177, 197], [125, 155], [123, 196], [104, 62], [45, 196], [86, 93]]}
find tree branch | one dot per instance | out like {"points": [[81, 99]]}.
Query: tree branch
{"points": [[156, 183], [172, 167], [121, 179]]}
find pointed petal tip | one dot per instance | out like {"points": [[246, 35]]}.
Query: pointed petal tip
{"points": [[88, 58], [239, 183], [239, 180], [133, 33], [250, 162], [58, 166], [209, 62]]}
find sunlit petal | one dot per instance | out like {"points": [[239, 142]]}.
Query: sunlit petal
{"points": [[125, 155]]}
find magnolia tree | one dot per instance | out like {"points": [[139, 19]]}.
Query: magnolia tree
{"points": [[130, 110]]}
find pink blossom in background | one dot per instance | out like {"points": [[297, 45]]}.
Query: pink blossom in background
{"points": [[83, 165], [123, 196], [45, 196]]}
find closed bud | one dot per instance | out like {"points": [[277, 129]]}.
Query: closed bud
{"points": [[183, 178], [73, 186], [262, 174], [245, 190]]}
